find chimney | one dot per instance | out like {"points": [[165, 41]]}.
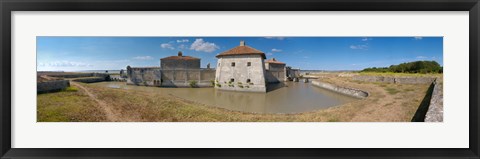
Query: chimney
{"points": [[274, 59], [242, 43], [180, 53]]}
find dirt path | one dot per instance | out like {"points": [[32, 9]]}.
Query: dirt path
{"points": [[110, 115]]}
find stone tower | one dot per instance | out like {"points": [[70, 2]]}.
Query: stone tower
{"points": [[241, 68]]}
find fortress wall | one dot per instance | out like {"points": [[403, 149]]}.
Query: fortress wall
{"points": [[193, 75], [90, 80], [171, 78], [344, 90], [292, 73], [76, 75], [435, 109], [144, 76], [50, 86], [275, 76], [170, 64], [207, 75], [180, 75], [399, 80]]}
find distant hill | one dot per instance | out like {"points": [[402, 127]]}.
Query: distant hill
{"points": [[409, 67]]}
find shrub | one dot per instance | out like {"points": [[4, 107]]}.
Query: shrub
{"points": [[409, 67], [219, 85], [193, 84], [213, 82], [71, 89]]}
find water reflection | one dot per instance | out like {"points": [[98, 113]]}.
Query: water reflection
{"points": [[289, 97]]}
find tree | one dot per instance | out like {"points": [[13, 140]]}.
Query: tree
{"points": [[409, 67]]}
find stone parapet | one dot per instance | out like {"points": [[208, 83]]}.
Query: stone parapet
{"points": [[343, 90]]}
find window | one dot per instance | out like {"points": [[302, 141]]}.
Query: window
{"points": [[248, 80], [233, 64], [218, 64], [249, 63], [232, 80]]}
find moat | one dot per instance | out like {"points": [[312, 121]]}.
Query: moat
{"points": [[289, 97]]}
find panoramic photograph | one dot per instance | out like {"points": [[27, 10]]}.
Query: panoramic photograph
{"points": [[239, 79]]}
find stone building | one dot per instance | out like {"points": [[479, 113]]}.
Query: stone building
{"points": [[179, 62], [292, 73], [275, 71], [241, 68], [174, 71]]}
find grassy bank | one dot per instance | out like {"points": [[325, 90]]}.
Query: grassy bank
{"points": [[69, 105], [387, 102]]}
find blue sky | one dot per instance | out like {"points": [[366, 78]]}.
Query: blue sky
{"points": [[306, 53]]}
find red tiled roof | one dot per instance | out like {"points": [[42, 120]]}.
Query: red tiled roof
{"points": [[180, 58], [242, 50], [273, 60]]}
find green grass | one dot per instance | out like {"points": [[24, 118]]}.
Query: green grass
{"points": [[392, 91], [71, 89], [69, 105]]}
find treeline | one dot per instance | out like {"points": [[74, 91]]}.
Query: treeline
{"points": [[409, 67]]}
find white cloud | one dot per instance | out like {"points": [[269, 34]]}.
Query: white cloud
{"points": [[182, 47], [182, 41], [421, 57], [366, 39], [418, 38], [269, 54], [276, 50], [143, 58], [64, 64], [201, 45], [359, 47], [167, 46], [275, 37]]}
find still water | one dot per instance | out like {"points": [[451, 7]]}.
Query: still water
{"points": [[290, 97]]}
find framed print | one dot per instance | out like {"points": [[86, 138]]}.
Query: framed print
{"points": [[292, 79]]}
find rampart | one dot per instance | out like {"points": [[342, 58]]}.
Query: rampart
{"points": [[343, 90], [399, 80], [51, 86], [155, 76], [435, 109], [90, 79], [275, 76], [78, 75]]}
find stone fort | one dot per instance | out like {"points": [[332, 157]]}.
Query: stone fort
{"points": [[241, 68], [174, 71]]}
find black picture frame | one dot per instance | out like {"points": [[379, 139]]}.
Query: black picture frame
{"points": [[7, 6]]}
